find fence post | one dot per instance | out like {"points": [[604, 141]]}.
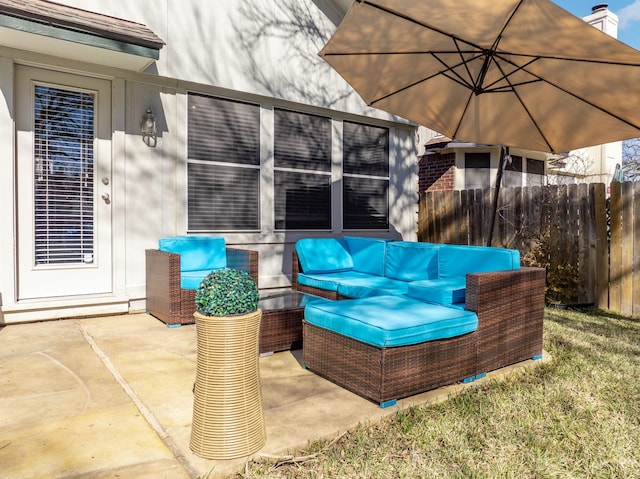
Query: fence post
{"points": [[572, 220], [599, 202]]}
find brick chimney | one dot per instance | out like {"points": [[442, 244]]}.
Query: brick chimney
{"points": [[603, 19]]}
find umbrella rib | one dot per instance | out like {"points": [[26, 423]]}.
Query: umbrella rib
{"points": [[422, 24], [462, 59], [411, 85], [505, 76], [514, 74], [524, 106], [451, 68], [564, 90], [491, 52], [464, 113], [577, 60], [453, 76], [591, 104]]}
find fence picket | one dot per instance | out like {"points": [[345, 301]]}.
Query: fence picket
{"points": [[571, 222], [615, 264], [626, 244], [636, 250], [599, 207]]}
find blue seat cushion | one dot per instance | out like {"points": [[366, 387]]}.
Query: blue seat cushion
{"points": [[445, 291], [373, 286], [197, 253], [456, 260], [192, 279], [411, 261], [390, 321], [329, 281], [323, 255], [368, 254]]}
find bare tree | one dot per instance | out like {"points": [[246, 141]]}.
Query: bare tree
{"points": [[631, 159], [568, 169]]}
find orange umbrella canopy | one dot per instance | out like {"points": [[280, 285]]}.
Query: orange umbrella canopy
{"points": [[522, 73]]}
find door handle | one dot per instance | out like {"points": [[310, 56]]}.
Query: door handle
{"points": [[106, 198]]}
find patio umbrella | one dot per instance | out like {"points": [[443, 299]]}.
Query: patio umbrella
{"points": [[521, 73]]}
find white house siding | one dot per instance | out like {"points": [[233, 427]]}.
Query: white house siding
{"points": [[264, 51]]}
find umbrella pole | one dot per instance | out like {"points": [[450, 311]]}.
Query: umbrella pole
{"points": [[504, 152]]}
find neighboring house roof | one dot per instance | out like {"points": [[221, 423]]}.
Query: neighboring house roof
{"points": [[41, 18], [437, 142]]}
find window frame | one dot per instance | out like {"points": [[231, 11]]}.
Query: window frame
{"points": [[250, 208], [472, 161], [304, 168], [267, 168], [374, 176]]}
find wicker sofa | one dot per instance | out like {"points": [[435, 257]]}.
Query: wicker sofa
{"points": [[175, 270], [342, 342]]}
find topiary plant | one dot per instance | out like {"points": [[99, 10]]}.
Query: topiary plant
{"points": [[226, 292]]}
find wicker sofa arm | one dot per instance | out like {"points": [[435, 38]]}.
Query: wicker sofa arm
{"points": [[295, 270], [323, 293], [510, 309], [162, 282], [244, 260]]}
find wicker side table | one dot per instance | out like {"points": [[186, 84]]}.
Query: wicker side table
{"points": [[281, 325]]}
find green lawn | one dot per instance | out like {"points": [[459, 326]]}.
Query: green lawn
{"points": [[575, 417]]}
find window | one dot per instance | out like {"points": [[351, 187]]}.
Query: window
{"points": [[302, 176], [477, 170], [223, 167], [64, 181], [512, 176], [535, 172], [365, 193]]}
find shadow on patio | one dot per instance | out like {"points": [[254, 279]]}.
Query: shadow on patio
{"points": [[112, 395]]}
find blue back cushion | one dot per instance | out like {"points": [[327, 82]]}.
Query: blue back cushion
{"points": [[367, 254], [197, 253], [323, 255], [460, 260], [411, 261]]}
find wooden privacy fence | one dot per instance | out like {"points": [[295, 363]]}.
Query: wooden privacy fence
{"points": [[590, 244]]}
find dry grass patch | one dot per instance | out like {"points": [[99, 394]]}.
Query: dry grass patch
{"points": [[578, 416]]}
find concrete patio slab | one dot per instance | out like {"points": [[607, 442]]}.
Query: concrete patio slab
{"points": [[112, 397]]}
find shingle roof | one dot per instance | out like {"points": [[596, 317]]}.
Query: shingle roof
{"points": [[76, 19]]}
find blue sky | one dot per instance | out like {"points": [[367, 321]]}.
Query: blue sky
{"points": [[628, 12]]}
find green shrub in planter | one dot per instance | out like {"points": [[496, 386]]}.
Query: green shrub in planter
{"points": [[226, 292]]}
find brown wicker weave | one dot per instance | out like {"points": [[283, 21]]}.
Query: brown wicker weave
{"points": [[386, 374], [510, 308], [295, 269], [166, 300], [227, 411], [281, 325]]}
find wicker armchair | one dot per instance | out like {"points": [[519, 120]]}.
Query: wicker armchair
{"points": [[173, 304]]}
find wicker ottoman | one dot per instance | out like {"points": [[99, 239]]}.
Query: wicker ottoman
{"points": [[385, 374]]}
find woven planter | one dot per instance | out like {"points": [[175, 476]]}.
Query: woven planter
{"points": [[227, 410]]}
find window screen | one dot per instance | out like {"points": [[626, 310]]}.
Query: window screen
{"points": [[477, 170], [63, 176], [366, 176], [302, 176], [366, 204], [512, 176], [223, 170], [535, 172]]}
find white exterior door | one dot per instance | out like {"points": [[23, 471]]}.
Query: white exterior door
{"points": [[63, 184]]}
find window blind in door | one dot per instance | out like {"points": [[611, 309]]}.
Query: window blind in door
{"points": [[63, 176]]}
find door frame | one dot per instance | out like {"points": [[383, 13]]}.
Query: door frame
{"points": [[38, 283]]}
